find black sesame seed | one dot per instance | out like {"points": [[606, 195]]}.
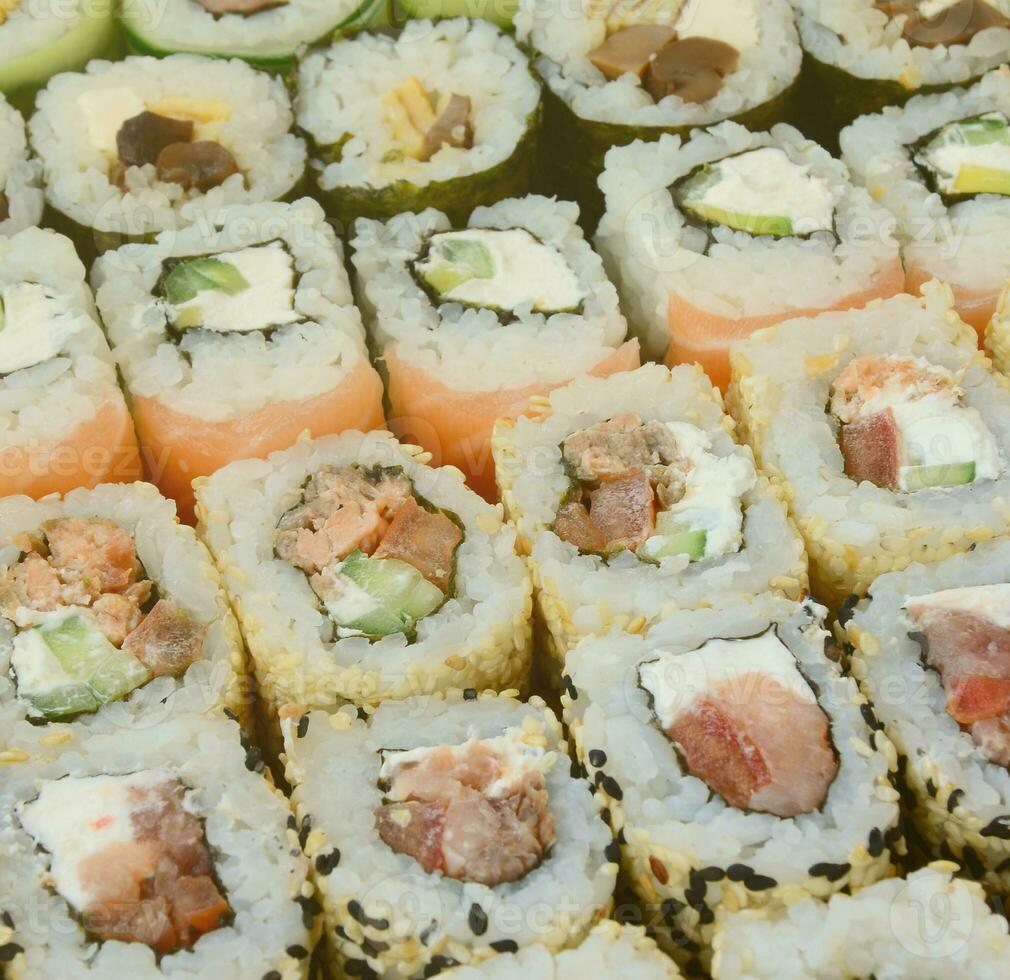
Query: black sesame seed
{"points": [[477, 920], [759, 883], [505, 946], [470, 694], [298, 952], [697, 883], [292, 823], [597, 758], [738, 872], [612, 852], [870, 717], [612, 788], [833, 872], [892, 836], [356, 968], [272, 975], [999, 827], [848, 609], [570, 687], [426, 933], [705, 915], [325, 863], [303, 726], [310, 909], [8, 951], [973, 862], [575, 769], [254, 759], [341, 933], [7, 919], [303, 834], [356, 912], [952, 800], [931, 787], [875, 842], [362, 714], [373, 947], [605, 815], [621, 839], [693, 898], [438, 964], [711, 873]]}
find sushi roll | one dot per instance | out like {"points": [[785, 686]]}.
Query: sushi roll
{"points": [[736, 764], [711, 238], [445, 830], [615, 72], [266, 33], [941, 165], [930, 924], [438, 298], [631, 499], [148, 851], [234, 336], [140, 146], [39, 40], [64, 421], [887, 431], [110, 610], [21, 195], [442, 115], [863, 55], [359, 574], [931, 648]]}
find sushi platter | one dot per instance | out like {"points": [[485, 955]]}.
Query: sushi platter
{"points": [[504, 489]]}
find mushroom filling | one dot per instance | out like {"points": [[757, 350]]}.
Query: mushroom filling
{"points": [[760, 192], [378, 557], [967, 157], [129, 856], [175, 136], [905, 427], [652, 488], [929, 23], [35, 325], [243, 8], [682, 49], [502, 270], [475, 812], [422, 122], [746, 722], [965, 636], [88, 625], [250, 289]]}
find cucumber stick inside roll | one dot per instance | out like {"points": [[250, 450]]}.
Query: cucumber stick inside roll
{"points": [[970, 156]]}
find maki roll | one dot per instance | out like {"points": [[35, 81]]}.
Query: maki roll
{"points": [[941, 165], [266, 33], [931, 647], [39, 40], [620, 71], [887, 431], [146, 145], [711, 238], [255, 294], [472, 322], [106, 598], [441, 115], [863, 55], [444, 830], [930, 924], [736, 764], [20, 175], [64, 421], [609, 950], [360, 574], [148, 851], [631, 499]]}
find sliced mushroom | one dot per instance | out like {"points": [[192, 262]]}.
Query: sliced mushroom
{"points": [[5, 211], [142, 138], [423, 125], [244, 7], [692, 69], [200, 165], [451, 127], [630, 49], [958, 24]]}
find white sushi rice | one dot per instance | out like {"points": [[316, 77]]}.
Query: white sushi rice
{"points": [[340, 93], [861, 40], [582, 595], [182, 570], [77, 172], [967, 243], [671, 817], [928, 925], [20, 173], [471, 347], [42, 404], [782, 378], [910, 700], [609, 950], [334, 766], [256, 857], [37, 24], [564, 32], [478, 638], [194, 376], [651, 250]]}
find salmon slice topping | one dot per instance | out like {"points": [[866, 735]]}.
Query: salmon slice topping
{"points": [[475, 812], [423, 539]]}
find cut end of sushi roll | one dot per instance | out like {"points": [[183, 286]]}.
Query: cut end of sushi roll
{"points": [[967, 157]]}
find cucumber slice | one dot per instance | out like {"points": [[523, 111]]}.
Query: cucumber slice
{"points": [[402, 595], [457, 261], [939, 475], [679, 542], [501, 12], [188, 279], [777, 226], [62, 702]]}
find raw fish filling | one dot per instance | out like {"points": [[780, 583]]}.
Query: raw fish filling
{"points": [[476, 812], [746, 722], [904, 426], [378, 560], [928, 23], [129, 857], [651, 488], [965, 636], [681, 49], [968, 157], [90, 627]]}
